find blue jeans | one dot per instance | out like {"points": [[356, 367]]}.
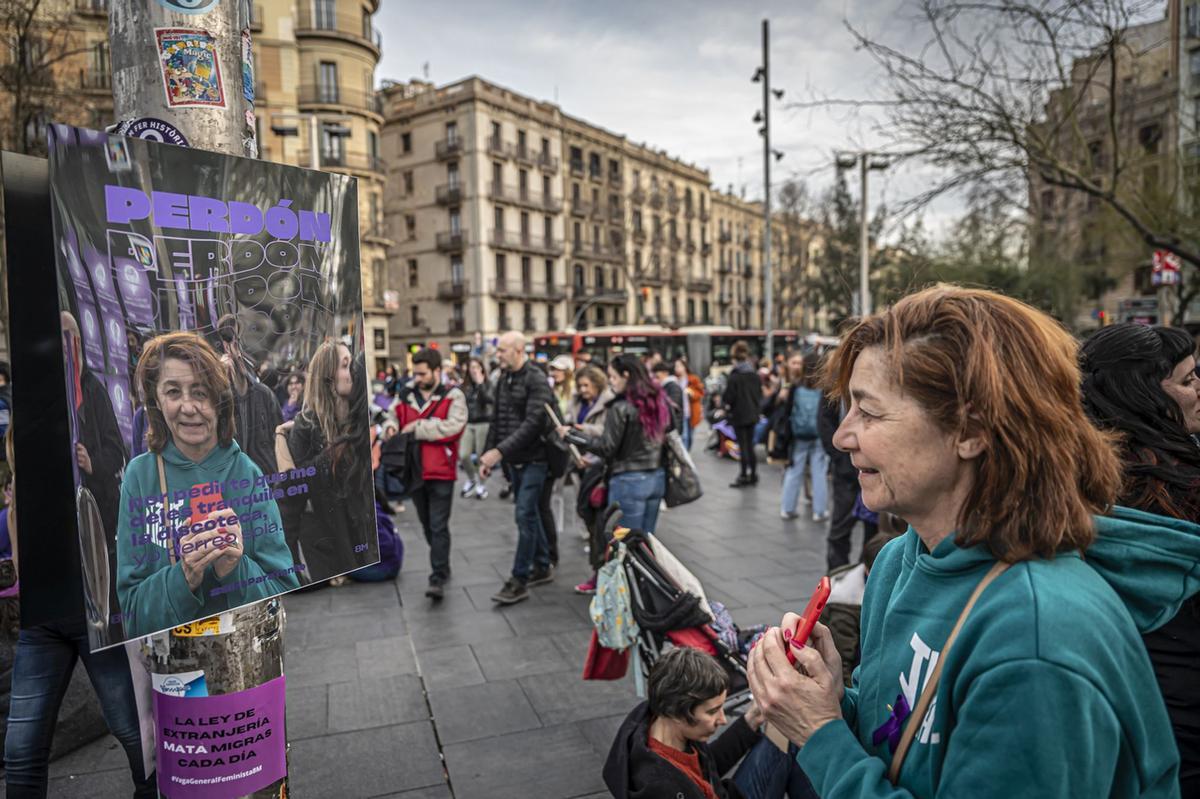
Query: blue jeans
{"points": [[638, 495], [532, 547], [807, 451], [42, 667], [767, 773], [686, 435]]}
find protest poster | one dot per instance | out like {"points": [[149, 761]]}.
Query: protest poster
{"points": [[191, 286], [220, 747]]}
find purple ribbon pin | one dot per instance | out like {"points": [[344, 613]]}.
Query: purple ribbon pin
{"points": [[894, 725]]}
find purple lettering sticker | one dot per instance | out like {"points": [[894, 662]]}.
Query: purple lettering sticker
{"points": [[220, 747]]}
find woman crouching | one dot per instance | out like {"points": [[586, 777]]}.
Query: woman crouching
{"points": [[218, 542]]}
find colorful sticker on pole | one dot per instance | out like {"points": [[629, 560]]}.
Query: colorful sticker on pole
{"points": [[188, 6], [220, 747], [247, 66], [191, 71]]}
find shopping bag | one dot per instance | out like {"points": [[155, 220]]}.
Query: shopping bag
{"points": [[603, 663]]}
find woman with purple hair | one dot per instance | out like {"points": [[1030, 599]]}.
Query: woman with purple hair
{"points": [[635, 424]]}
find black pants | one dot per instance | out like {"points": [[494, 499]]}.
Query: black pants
{"points": [[845, 492], [433, 500], [745, 442], [548, 517]]}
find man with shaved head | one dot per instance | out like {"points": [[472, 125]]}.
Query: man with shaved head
{"points": [[516, 437]]}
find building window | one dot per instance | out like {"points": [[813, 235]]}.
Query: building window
{"points": [[637, 261], [414, 274], [456, 270], [406, 143], [327, 82], [410, 226], [379, 337], [505, 323], [600, 320], [549, 272], [452, 174], [451, 132], [545, 148], [527, 312], [594, 164], [577, 159], [455, 221], [691, 311], [1194, 62], [598, 278], [526, 271], [325, 19], [333, 148], [378, 280], [501, 266], [408, 183], [579, 282], [637, 221], [414, 318], [456, 314], [498, 219], [545, 188], [373, 148]]}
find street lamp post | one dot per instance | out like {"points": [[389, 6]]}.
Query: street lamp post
{"points": [[866, 161], [763, 74]]}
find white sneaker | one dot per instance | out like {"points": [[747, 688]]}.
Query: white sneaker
{"points": [[481, 491], [467, 487], [788, 516], [820, 517]]}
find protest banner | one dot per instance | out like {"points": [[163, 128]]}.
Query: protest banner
{"points": [[190, 284]]}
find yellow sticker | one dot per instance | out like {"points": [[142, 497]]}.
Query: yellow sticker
{"points": [[198, 628]]}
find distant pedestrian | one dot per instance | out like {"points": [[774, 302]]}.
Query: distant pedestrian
{"points": [[295, 396], [743, 398], [516, 439], [803, 401], [436, 415], [670, 386], [480, 406]]}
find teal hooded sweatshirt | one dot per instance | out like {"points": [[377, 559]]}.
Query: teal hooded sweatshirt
{"points": [[1047, 692], [153, 593]]}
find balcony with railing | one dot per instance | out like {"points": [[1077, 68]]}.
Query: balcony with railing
{"points": [[616, 213], [724, 237], [596, 175], [706, 248], [656, 240], [672, 204], [324, 22], [548, 163], [595, 250], [97, 8], [688, 211], [525, 155], [525, 242], [358, 162], [505, 322], [577, 169], [650, 276], [748, 270], [656, 199], [458, 326], [95, 80], [581, 207], [450, 194], [674, 243], [339, 96], [451, 242], [607, 295], [498, 148], [452, 289], [527, 290], [725, 297], [704, 217], [747, 241], [639, 235], [522, 196], [638, 195], [725, 267], [689, 247], [449, 148], [615, 179], [701, 284]]}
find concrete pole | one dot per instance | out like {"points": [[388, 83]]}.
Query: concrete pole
{"points": [[864, 287], [768, 293], [253, 652]]}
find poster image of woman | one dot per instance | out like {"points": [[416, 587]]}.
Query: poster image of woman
{"points": [[333, 523], [198, 531]]}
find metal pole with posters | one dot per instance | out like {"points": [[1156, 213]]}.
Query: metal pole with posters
{"points": [[210, 112]]}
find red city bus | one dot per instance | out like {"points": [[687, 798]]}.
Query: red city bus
{"points": [[702, 345]]}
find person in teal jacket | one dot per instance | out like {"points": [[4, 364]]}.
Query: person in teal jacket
{"points": [[217, 542], [965, 419]]}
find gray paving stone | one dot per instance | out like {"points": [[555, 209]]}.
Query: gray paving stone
{"points": [[518, 657], [565, 696], [357, 597], [528, 618], [490, 710], [385, 657], [449, 667], [326, 631], [462, 629], [758, 614], [366, 763], [105, 753], [601, 731], [319, 666], [552, 762], [433, 792], [307, 711], [376, 702], [92, 784]]}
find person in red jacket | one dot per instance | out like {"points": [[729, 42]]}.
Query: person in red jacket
{"points": [[435, 415]]}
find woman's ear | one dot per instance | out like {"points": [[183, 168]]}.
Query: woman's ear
{"points": [[972, 441]]}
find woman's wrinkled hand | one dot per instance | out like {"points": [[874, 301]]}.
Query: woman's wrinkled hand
{"points": [[797, 700]]}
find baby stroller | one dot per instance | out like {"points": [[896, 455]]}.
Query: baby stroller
{"points": [[668, 603]]}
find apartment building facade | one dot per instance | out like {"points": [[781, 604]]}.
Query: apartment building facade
{"points": [[509, 214]]}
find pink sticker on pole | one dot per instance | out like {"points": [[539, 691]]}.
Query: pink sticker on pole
{"points": [[221, 747]]}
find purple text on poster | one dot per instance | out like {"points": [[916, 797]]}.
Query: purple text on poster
{"points": [[221, 747]]}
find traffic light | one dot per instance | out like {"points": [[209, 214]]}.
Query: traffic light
{"points": [[1103, 317], [645, 292]]}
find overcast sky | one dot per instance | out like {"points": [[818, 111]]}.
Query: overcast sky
{"points": [[672, 73]]}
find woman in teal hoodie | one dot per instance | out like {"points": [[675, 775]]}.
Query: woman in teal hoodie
{"points": [[965, 419], [199, 530]]}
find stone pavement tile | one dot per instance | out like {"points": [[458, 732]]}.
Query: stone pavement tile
{"points": [[307, 711], [437, 630], [306, 667], [573, 644], [92, 784], [365, 763], [518, 657], [357, 597], [307, 603], [785, 586], [100, 755], [325, 631], [385, 657], [548, 763], [748, 592], [565, 696], [433, 792], [417, 605], [527, 618], [749, 566], [757, 614], [449, 667], [376, 703], [489, 710], [602, 731]]}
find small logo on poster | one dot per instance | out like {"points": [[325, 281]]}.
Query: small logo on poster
{"points": [[191, 71], [152, 129], [188, 6]]}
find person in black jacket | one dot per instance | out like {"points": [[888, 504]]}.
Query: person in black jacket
{"points": [[256, 411], [845, 491], [517, 437], [479, 415], [661, 749], [743, 399]]}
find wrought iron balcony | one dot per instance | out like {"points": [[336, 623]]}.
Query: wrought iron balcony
{"points": [[449, 148], [451, 242], [452, 290], [450, 194]]}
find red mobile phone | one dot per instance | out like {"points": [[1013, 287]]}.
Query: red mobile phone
{"points": [[808, 619]]}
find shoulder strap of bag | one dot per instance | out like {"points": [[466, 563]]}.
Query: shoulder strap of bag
{"points": [[930, 690], [162, 487]]}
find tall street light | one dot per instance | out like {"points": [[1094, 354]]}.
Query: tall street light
{"points": [[866, 161], [763, 75]]}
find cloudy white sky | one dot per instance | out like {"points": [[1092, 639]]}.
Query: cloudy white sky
{"points": [[672, 73]]}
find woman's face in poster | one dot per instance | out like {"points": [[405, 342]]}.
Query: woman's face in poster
{"points": [[344, 383], [188, 407]]}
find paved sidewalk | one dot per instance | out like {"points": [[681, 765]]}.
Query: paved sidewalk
{"points": [[391, 695]]}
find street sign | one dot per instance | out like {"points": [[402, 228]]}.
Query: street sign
{"points": [[1166, 269]]}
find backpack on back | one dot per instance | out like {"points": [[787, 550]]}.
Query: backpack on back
{"points": [[806, 404]]}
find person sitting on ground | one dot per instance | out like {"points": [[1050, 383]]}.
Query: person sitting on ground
{"points": [[661, 750]]}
